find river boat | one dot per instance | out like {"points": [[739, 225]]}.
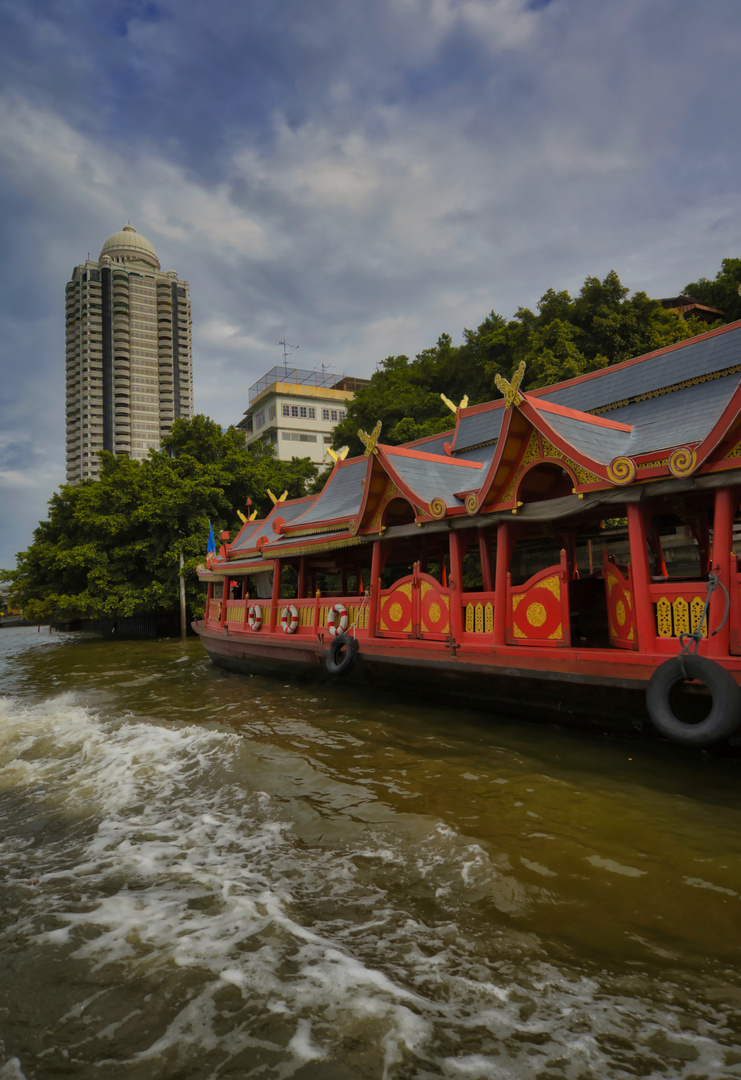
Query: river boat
{"points": [[560, 552]]}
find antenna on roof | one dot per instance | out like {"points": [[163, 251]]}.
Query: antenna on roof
{"points": [[285, 345]]}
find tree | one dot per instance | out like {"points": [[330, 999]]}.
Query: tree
{"points": [[722, 292], [111, 547]]}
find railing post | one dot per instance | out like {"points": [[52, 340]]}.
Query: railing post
{"points": [[500, 586], [725, 507], [275, 598], [375, 589], [644, 612], [455, 584], [224, 599], [316, 613]]}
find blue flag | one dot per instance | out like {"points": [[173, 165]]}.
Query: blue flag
{"points": [[211, 541]]}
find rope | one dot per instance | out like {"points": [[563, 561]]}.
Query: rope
{"points": [[686, 641], [355, 621]]}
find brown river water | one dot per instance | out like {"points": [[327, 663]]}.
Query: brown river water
{"points": [[205, 875]]}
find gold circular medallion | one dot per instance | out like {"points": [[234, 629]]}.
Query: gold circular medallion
{"points": [[620, 613], [434, 613], [395, 612], [536, 614]]}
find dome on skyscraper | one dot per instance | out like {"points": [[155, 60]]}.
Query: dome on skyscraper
{"points": [[129, 244]]}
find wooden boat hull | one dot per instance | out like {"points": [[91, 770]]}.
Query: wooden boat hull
{"points": [[597, 693]]}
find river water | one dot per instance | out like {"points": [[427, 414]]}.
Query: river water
{"points": [[205, 875]]}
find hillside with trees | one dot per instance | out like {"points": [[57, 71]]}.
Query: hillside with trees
{"points": [[564, 337]]}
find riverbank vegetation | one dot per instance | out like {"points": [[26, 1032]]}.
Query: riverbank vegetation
{"points": [[111, 547]]}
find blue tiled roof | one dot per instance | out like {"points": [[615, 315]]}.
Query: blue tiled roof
{"points": [[684, 416], [689, 361], [436, 478], [246, 541], [342, 494], [599, 443], [480, 427]]}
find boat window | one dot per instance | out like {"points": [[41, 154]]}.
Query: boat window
{"points": [[532, 554], [678, 542], [288, 583]]}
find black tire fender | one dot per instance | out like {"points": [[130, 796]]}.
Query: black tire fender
{"points": [[724, 716], [343, 652]]}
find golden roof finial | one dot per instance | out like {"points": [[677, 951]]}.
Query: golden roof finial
{"points": [[453, 408], [338, 455], [370, 441], [275, 499], [511, 390]]}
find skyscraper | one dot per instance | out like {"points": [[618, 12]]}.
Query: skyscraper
{"points": [[129, 353]]}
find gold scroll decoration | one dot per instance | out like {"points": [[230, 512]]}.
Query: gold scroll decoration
{"points": [[621, 470], [682, 462]]}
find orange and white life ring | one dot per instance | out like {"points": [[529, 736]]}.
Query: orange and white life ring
{"points": [[289, 619], [341, 627], [254, 617]]}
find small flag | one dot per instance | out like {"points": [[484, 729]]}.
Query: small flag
{"points": [[211, 542], [445, 577]]}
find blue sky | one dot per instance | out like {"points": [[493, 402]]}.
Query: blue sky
{"points": [[355, 177]]}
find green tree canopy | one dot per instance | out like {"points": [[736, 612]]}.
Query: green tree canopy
{"points": [[565, 337], [111, 547], [722, 291]]}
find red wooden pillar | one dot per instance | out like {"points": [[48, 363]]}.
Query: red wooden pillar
{"points": [[224, 599], [275, 599], [375, 589], [500, 586], [485, 557], [455, 583], [209, 598], [644, 615], [725, 508]]}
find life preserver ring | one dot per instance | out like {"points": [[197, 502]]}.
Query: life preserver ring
{"points": [[254, 617], [289, 619], [725, 712], [337, 609], [343, 652]]}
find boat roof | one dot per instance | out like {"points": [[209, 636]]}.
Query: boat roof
{"points": [[670, 413]]}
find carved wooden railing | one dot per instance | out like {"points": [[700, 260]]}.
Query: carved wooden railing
{"points": [[677, 607], [538, 611], [621, 608], [478, 613], [416, 606]]}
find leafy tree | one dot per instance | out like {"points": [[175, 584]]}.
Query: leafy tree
{"points": [[111, 547], [722, 291]]}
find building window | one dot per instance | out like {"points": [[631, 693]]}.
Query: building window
{"points": [[271, 412], [342, 414], [333, 414], [302, 412], [312, 413], [325, 414], [327, 440], [294, 410], [260, 418], [286, 410]]}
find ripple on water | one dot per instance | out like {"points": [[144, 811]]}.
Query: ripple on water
{"points": [[207, 901]]}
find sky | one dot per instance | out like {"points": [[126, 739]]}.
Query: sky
{"points": [[354, 177]]}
